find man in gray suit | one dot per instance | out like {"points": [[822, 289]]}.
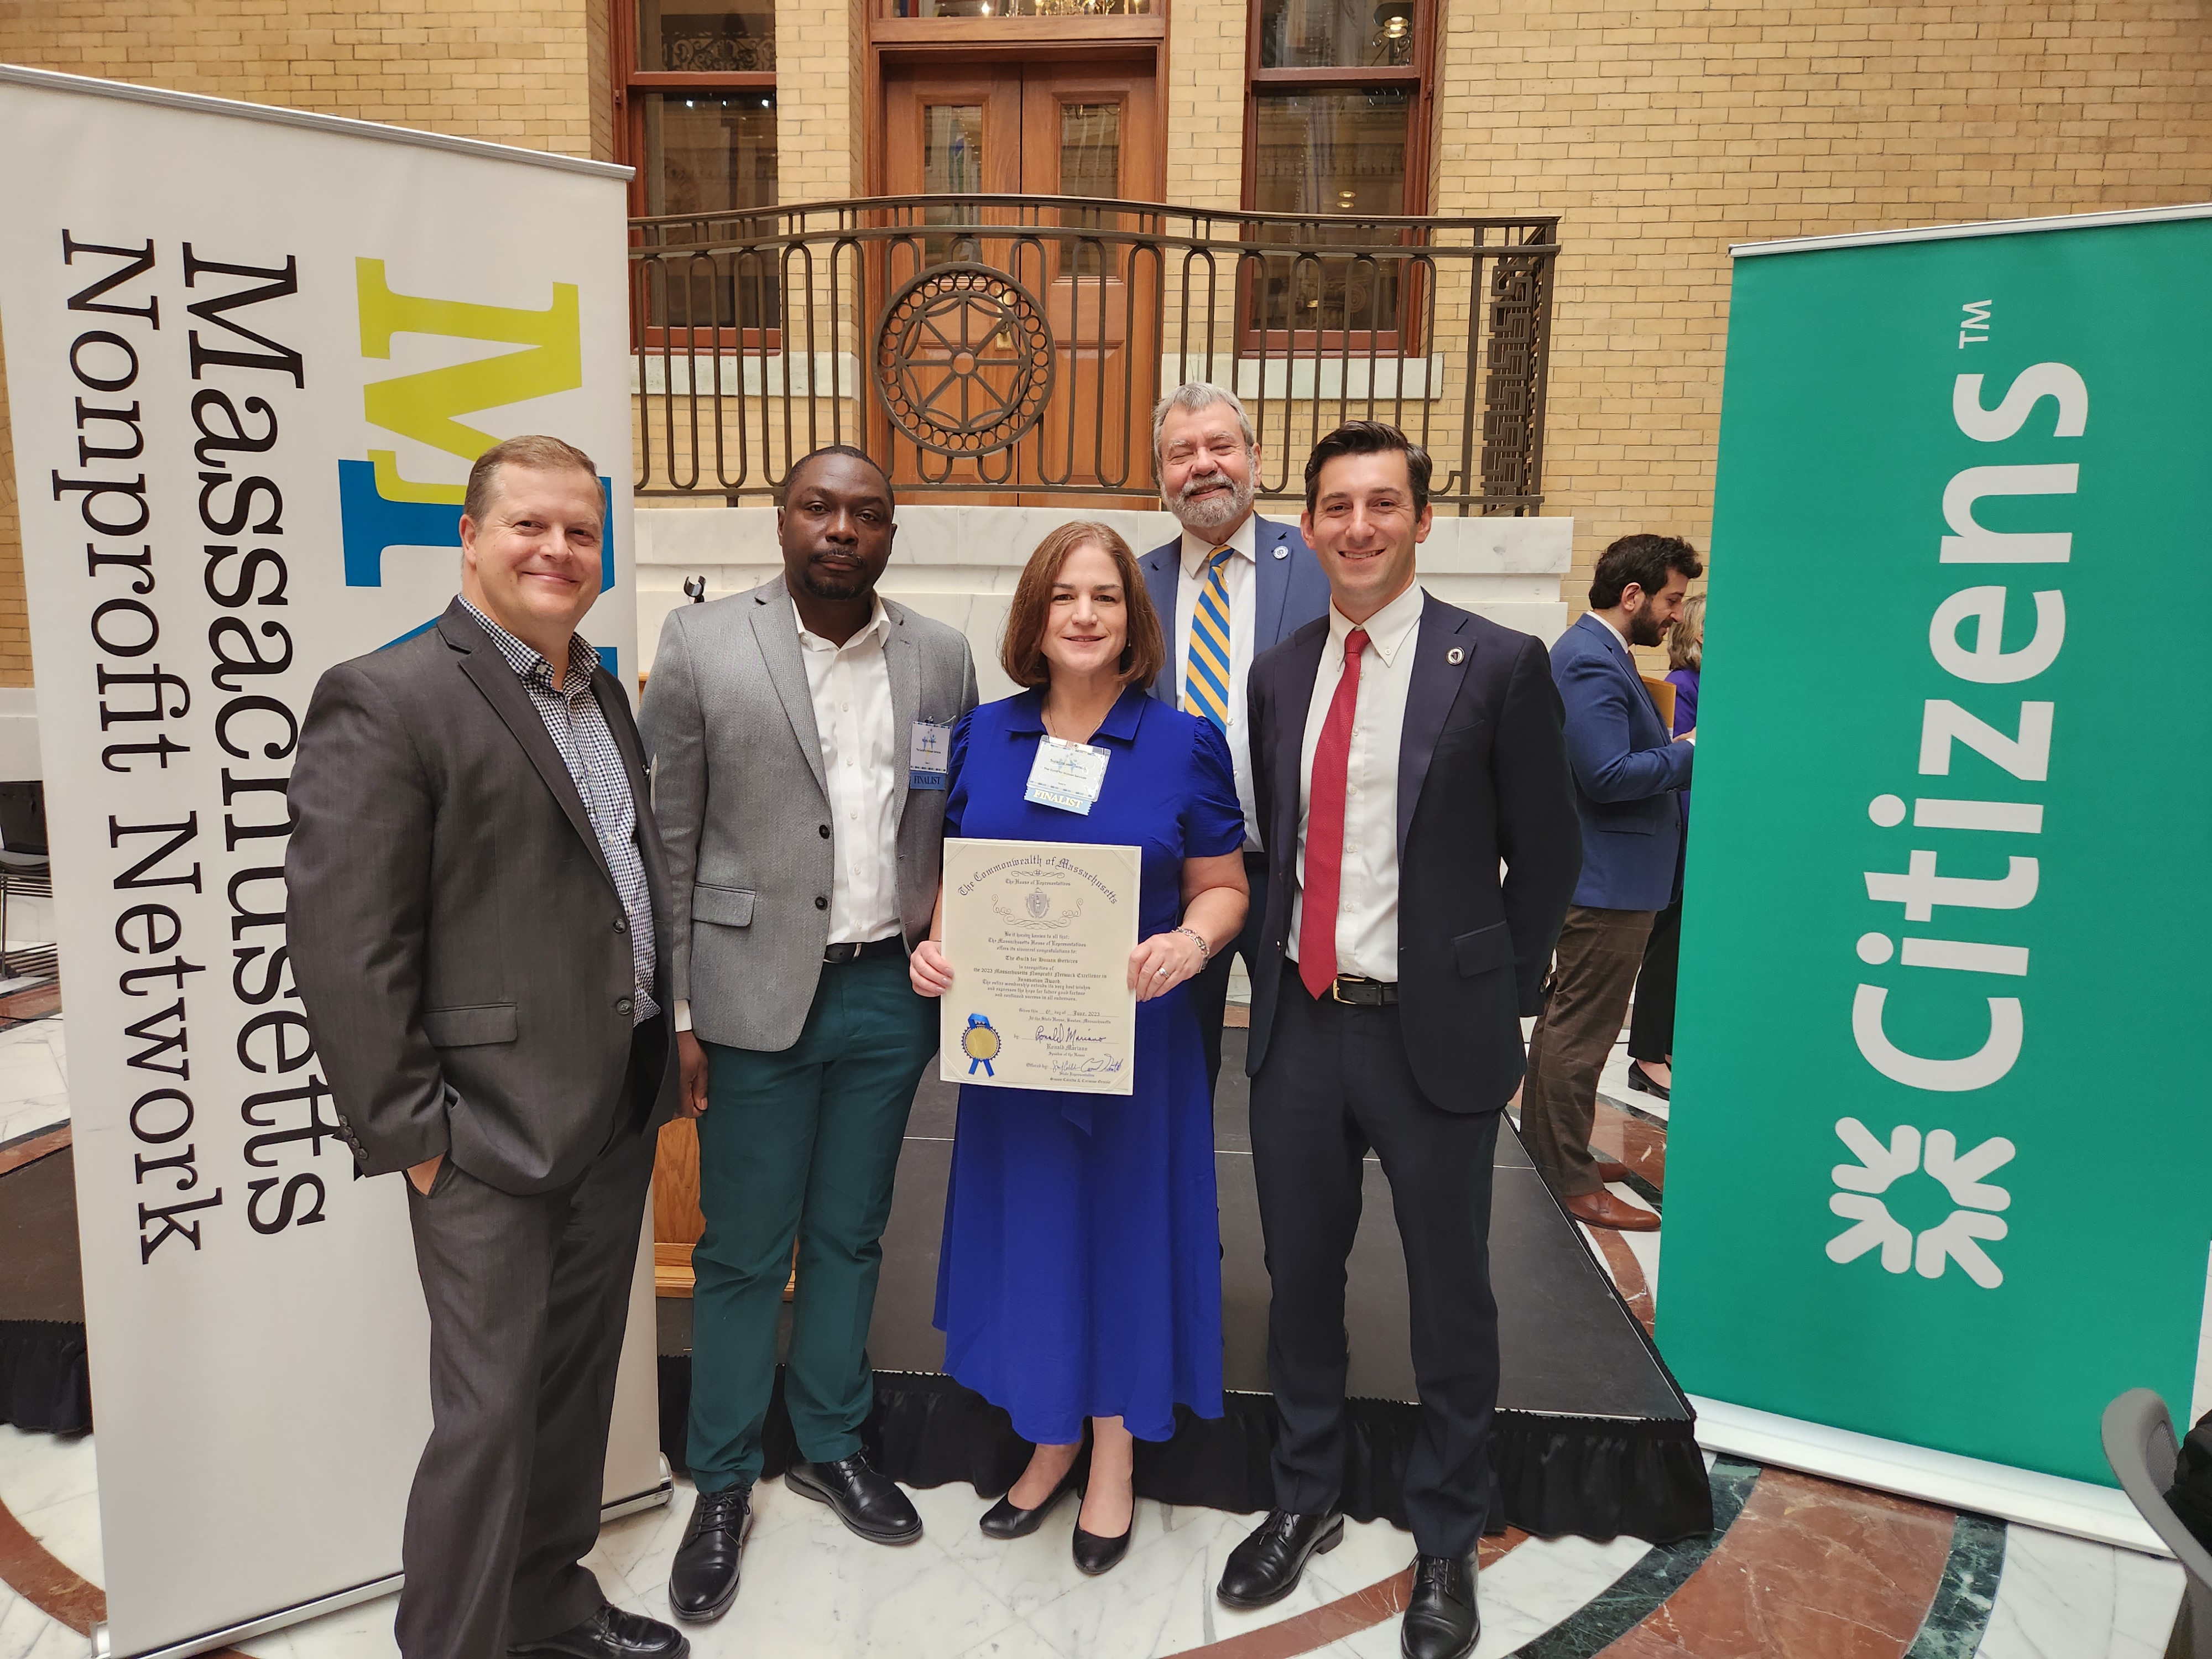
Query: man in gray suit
{"points": [[477, 912], [799, 735]]}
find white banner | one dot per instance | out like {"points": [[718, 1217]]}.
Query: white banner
{"points": [[251, 354]]}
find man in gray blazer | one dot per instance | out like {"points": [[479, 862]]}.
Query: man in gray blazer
{"points": [[799, 735], [477, 916]]}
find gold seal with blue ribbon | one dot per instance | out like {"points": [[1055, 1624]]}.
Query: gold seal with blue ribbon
{"points": [[979, 1043]]}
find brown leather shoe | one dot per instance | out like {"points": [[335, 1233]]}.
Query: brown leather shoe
{"points": [[1601, 1209], [1609, 1170]]}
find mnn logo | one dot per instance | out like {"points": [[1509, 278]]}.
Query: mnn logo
{"points": [[380, 509]]}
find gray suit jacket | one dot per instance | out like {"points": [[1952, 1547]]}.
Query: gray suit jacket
{"points": [[457, 938], [744, 808]]}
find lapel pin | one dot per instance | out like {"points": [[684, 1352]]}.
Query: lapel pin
{"points": [[1282, 552], [1455, 656]]}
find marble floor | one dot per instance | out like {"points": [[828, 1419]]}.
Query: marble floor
{"points": [[1796, 1567], [33, 1072]]}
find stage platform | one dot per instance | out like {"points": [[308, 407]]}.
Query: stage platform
{"points": [[1593, 1436]]}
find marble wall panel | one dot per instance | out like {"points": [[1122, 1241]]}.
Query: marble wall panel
{"points": [[959, 564]]}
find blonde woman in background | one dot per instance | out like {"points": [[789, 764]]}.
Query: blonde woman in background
{"points": [[1652, 1031]]}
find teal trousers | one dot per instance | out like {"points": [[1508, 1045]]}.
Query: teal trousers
{"points": [[802, 1143]]}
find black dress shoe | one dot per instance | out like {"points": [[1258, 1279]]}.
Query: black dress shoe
{"points": [[703, 1580], [867, 1502], [1094, 1555], [1265, 1566], [1002, 1521], [1441, 1622], [1640, 1080], [611, 1633]]}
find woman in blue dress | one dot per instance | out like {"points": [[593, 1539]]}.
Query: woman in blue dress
{"points": [[1080, 1276]]}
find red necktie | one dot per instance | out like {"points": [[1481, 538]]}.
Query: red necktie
{"points": [[1324, 877]]}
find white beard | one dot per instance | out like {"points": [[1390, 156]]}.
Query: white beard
{"points": [[1213, 512]]}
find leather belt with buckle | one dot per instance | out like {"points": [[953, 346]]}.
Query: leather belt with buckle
{"points": [[893, 946], [1364, 992]]}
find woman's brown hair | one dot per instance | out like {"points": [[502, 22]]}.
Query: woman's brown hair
{"points": [[1021, 654]]}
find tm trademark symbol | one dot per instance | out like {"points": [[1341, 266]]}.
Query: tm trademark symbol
{"points": [[1974, 325]]}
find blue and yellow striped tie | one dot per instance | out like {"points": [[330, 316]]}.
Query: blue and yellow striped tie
{"points": [[1206, 680]]}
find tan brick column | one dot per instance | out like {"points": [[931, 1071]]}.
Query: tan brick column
{"points": [[1663, 133], [527, 72]]}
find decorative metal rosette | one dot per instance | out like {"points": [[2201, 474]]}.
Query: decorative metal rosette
{"points": [[964, 360]]}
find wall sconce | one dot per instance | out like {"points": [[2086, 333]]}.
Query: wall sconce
{"points": [[1393, 29]]}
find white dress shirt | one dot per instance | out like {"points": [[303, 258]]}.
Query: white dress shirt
{"points": [[850, 685], [1241, 576], [1599, 617], [1367, 911]]}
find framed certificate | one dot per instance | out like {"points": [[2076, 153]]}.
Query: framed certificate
{"points": [[1039, 934]]}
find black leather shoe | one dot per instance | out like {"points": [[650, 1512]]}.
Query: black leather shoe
{"points": [[703, 1580], [867, 1502], [1640, 1080], [1002, 1521], [1441, 1622], [1265, 1566], [1094, 1555], [611, 1633]]}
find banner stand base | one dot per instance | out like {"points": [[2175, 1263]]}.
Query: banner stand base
{"points": [[338, 1600], [2101, 1514]]}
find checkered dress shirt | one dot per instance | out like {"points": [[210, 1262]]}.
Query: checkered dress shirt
{"points": [[578, 726]]}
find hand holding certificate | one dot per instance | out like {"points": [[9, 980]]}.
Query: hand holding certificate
{"points": [[1039, 936]]}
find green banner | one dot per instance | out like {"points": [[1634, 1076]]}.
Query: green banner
{"points": [[1939, 1151]]}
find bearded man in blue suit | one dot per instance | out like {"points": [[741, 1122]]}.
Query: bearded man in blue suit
{"points": [[1231, 586], [1630, 772]]}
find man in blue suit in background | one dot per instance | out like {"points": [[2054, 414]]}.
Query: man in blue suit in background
{"points": [[1628, 777], [1232, 585]]}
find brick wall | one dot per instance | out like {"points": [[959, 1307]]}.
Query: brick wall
{"points": [[532, 73], [515, 71], [821, 48], [1663, 133], [1206, 102]]}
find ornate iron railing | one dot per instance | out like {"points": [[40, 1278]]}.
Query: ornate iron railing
{"points": [[1004, 348]]}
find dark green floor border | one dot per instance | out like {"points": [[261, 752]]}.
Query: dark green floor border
{"points": [[1633, 1597], [1957, 1618], [1959, 1615]]}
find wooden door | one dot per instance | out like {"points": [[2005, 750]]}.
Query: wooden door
{"points": [[950, 130], [1035, 131], [1094, 132]]}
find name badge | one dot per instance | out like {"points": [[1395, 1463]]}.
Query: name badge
{"points": [[1066, 775], [927, 754]]}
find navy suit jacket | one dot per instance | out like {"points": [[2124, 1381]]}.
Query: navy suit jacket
{"points": [[1482, 781], [1627, 771], [1289, 590]]}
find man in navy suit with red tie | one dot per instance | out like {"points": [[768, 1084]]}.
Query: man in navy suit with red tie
{"points": [[1403, 749], [1231, 586]]}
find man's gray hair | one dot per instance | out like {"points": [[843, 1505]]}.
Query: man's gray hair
{"points": [[1192, 396]]}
